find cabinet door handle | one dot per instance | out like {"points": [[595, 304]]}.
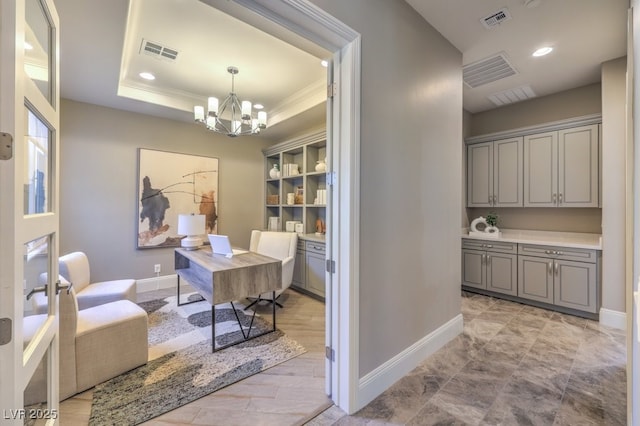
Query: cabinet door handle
{"points": [[554, 198], [556, 267], [495, 200], [482, 258], [488, 259], [550, 267], [560, 198]]}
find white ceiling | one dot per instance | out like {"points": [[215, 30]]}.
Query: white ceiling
{"points": [[583, 33], [100, 53], [101, 58]]}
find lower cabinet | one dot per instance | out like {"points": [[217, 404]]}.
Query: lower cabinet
{"points": [[554, 276], [490, 271], [309, 268], [490, 266], [559, 282]]}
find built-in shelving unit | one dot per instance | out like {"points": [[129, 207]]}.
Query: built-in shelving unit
{"points": [[296, 160]]}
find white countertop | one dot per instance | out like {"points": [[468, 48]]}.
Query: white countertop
{"points": [[548, 238]]}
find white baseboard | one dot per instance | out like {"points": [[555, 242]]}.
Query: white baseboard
{"points": [[614, 319], [156, 283], [377, 381]]}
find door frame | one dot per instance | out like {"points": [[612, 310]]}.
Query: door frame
{"points": [[632, 276], [309, 21], [20, 93]]}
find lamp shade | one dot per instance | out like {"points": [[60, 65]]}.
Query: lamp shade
{"points": [[191, 225]]}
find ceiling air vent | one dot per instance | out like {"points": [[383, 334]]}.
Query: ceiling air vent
{"points": [[487, 70], [512, 95], [157, 50], [496, 19]]}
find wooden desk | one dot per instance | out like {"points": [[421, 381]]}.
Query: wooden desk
{"points": [[220, 280]]}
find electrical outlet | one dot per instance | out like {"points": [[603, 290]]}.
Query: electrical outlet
{"points": [[156, 268]]}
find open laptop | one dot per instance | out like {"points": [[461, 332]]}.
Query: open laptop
{"points": [[220, 245]]}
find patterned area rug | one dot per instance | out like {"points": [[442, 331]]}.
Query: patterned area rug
{"points": [[182, 367]]}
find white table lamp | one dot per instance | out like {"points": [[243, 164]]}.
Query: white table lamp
{"points": [[191, 225]]}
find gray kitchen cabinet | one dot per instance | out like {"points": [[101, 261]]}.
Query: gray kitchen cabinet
{"points": [[309, 268], [535, 278], [300, 266], [495, 174], [561, 168], [554, 275], [561, 278], [315, 268], [490, 266]]}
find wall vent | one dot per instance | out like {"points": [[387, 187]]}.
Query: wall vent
{"points": [[497, 18], [487, 70], [157, 50], [510, 96]]}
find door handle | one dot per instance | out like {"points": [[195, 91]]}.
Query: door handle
{"points": [[34, 290], [556, 267], [550, 267], [488, 259], [553, 198], [560, 198], [67, 286]]}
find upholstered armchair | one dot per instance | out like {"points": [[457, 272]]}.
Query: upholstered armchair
{"points": [[279, 245], [74, 267], [96, 344]]}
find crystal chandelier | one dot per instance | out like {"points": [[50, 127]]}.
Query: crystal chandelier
{"points": [[232, 117]]}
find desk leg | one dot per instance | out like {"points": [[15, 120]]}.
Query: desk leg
{"points": [[246, 336], [185, 303]]}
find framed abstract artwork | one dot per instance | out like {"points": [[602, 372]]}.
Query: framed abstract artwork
{"points": [[170, 184]]}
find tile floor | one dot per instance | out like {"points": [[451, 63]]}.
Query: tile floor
{"points": [[513, 365]]}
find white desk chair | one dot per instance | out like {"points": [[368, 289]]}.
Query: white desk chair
{"points": [[279, 245]]}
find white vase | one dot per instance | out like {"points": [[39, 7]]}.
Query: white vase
{"points": [[321, 166], [274, 173]]}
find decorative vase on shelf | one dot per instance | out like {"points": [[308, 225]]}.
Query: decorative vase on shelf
{"points": [[321, 166], [274, 173]]}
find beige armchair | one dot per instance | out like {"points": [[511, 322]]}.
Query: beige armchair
{"points": [[96, 344], [74, 267], [279, 245]]}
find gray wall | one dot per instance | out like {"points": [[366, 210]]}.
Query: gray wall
{"points": [[98, 181], [568, 104], [613, 183], [411, 128]]}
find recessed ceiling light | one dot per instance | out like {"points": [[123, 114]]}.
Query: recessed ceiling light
{"points": [[258, 106], [28, 46], [324, 63], [147, 76], [543, 51]]}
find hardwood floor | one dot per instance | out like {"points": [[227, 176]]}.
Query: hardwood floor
{"points": [[288, 394]]}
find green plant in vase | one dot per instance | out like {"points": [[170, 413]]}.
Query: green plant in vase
{"points": [[492, 219]]}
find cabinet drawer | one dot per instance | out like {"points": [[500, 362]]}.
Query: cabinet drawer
{"points": [[315, 247], [498, 246], [554, 252]]}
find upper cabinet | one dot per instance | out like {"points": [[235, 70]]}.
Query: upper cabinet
{"points": [[561, 168], [551, 165], [494, 173]]}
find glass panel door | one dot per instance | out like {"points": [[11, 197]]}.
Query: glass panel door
{"points": [[29, 224]]}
